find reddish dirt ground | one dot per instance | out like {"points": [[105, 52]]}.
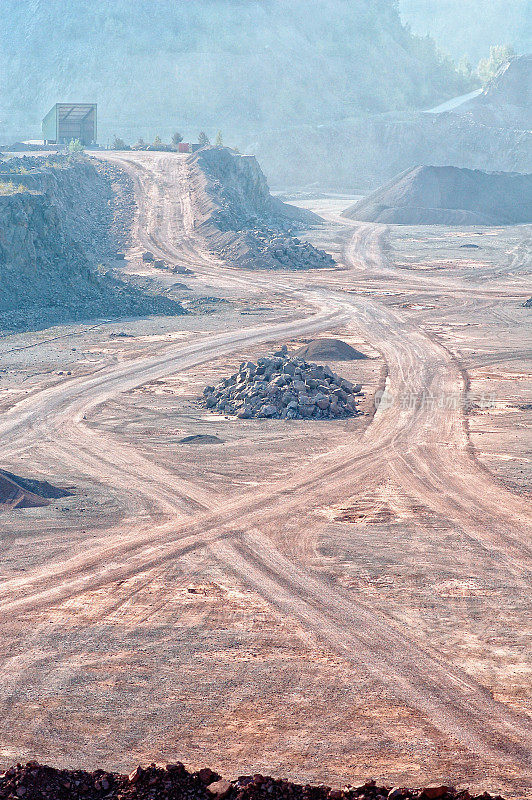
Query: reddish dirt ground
{"points": [[327, 601]]}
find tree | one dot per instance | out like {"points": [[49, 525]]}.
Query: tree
{"points": [[203, 139], [176, 138], [119, 144], [157, 142], [75, 146], [488, 67], [219, 142], [464, 68]]}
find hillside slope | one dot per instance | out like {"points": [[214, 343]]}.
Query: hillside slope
{"points": [[230, 64]]}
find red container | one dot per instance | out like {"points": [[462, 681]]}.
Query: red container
{"points": [[184, 147]]}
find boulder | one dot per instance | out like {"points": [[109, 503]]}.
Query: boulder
{"points": [[219, 789]]}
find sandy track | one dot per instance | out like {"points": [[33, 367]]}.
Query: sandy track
{"points": [[423, 444]]}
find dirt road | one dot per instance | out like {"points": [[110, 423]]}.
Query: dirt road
{"points": [[418, 438]]}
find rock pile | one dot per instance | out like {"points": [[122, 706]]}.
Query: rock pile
{"points": [[270, 248], [17, 492], [35, 782], [283, 387]]}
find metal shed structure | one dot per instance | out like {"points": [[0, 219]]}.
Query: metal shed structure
{"points": [[66, 121]]}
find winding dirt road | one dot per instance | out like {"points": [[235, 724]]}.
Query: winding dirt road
{"points": [[418, 437]]}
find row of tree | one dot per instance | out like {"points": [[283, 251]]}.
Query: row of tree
{"points": [[487, 67], [158, 144]]}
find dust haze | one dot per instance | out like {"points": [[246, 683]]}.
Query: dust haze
{"points": [[265, 400]]}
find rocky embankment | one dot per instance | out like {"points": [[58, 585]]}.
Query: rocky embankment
{"points": [[428, 195], [240, 219], [173, 782], [490, 132], [57, 246], [281, 387]]}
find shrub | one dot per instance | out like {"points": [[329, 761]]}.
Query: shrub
{"points": [[488, 67], [75, 146]]}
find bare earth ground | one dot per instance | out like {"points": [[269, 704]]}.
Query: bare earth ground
{"points": [[324, 601]]}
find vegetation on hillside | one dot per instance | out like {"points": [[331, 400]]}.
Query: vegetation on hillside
{"points": [[231, 64], [468, 28], [488, 67]]}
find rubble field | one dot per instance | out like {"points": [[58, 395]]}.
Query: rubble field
{"points": [[173, 782]]}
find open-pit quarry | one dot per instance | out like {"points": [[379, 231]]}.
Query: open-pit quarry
{"points": [[238, 576]]}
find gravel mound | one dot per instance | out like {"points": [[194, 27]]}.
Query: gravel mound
{"points": [[283, 387], [506, 102], [428, 195], [173, 782], [329, 350]]}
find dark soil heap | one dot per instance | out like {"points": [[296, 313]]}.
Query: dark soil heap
{"points": [[17, 492], [281, 387], [449, 196], [173, 782], [240, 219], [329, 350]]}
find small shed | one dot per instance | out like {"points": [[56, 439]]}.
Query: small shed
{"points": [[66, 121]]}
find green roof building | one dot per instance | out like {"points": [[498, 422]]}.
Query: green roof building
{"points": [[66, 121]]}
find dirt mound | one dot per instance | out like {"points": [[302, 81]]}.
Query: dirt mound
{"points": [[35, 782], [240, 219], [427, 195], [201, 438], [16, 492], [280, 387], [329, 350]]}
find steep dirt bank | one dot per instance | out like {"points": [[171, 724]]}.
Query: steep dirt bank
{"points": [[240, 219], [429, 195], [57, 246], [36, 782]]}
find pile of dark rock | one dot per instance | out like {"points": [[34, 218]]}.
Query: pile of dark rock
{"points": [[284, 387], [270, 248], [173, 782]]}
